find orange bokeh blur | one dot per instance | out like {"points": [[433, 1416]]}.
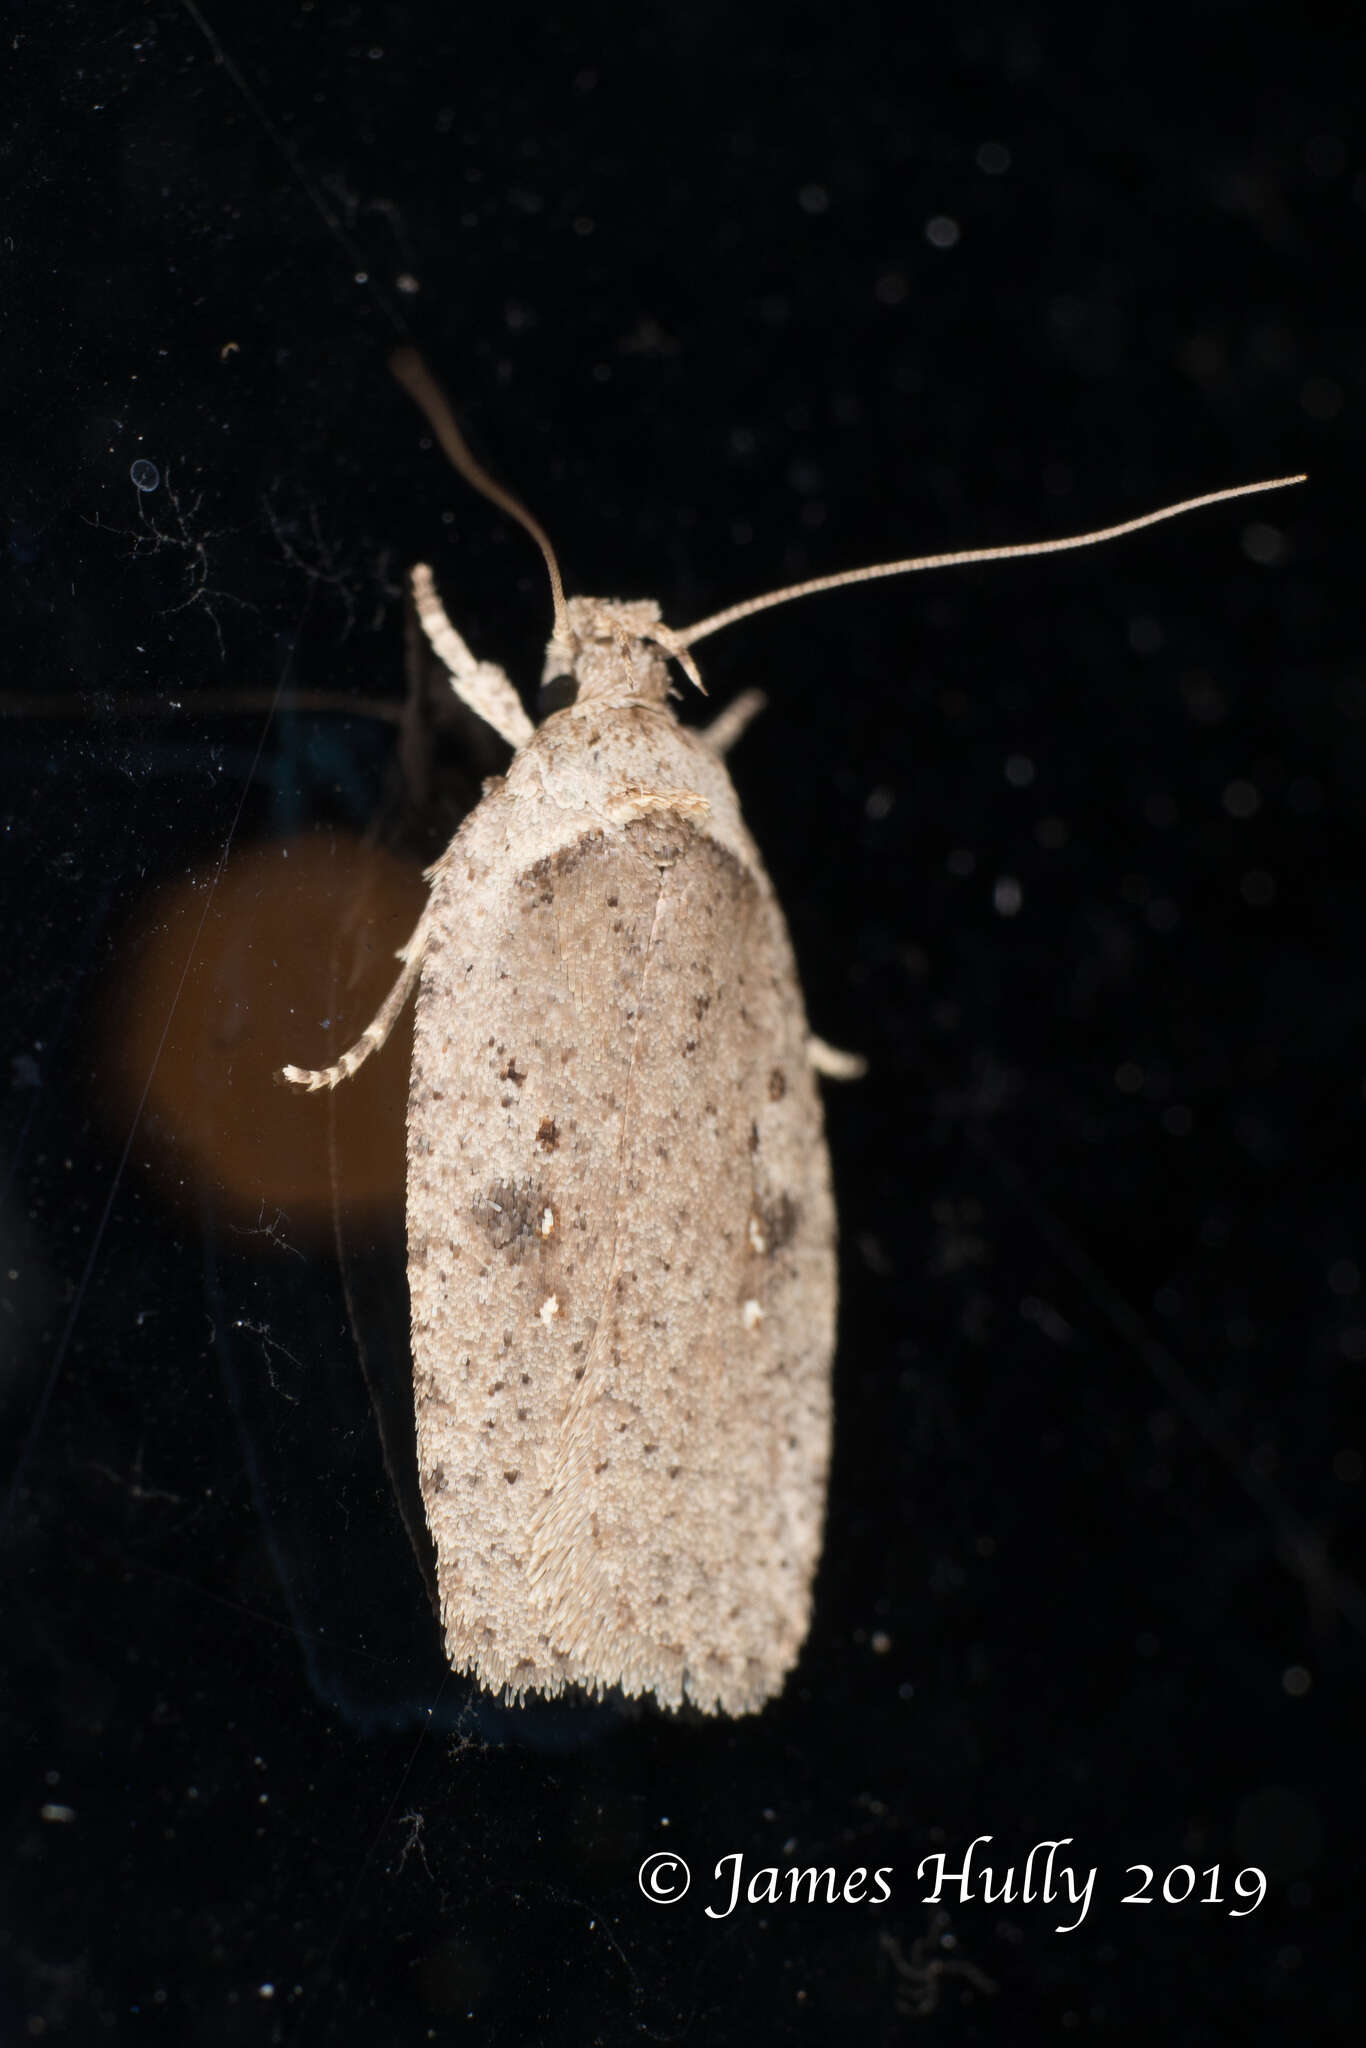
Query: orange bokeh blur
{"points": [[294, 956]]}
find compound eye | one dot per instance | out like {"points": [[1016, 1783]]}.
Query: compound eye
{"points": [[557, 693]]}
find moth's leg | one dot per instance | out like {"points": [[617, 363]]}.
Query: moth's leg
{"points": [[481, 684], [834, 1064], [380, 1025], [726, 728]]}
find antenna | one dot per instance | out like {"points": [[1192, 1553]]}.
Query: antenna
{"points": [[692, 634], [427, 395]]}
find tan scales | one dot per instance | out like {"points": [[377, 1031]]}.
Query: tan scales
{"points": [[620, 1227]]}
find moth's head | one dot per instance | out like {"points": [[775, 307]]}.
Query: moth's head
{"points": [[602, 650], [606, 651]]}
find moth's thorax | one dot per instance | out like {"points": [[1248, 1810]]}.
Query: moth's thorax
{"points": [[609, 646]]}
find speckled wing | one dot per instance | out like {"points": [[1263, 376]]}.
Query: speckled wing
{"points": [[621, 1253]]}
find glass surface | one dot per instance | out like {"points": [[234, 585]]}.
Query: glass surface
{"points": [[1071, 849]]}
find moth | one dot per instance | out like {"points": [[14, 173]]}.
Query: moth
{"points": [[621, 1230]]}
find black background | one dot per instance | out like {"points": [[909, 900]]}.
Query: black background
{"points": [[1071, 848]]}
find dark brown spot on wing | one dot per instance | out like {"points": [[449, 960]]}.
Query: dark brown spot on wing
{"points": [[778, 1222], [510, 1216]]}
